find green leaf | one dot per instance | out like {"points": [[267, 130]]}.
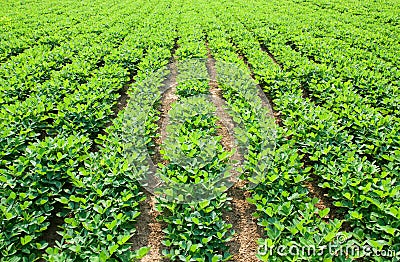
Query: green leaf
{"points": [[205, 240], [269, 211], [12, 195], [25, 240], [324, 212], [377, 244], [59, 156], [9, 216], [388, 229], [143, 251], [330, 236], [104, 256], [124, 239], [196, 220], [75, 248], [356, 215], [216, 258], [113, 248], [347, 195], [193, 248], [204, 204]]}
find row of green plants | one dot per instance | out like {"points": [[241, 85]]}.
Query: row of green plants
{"points": [[80, 49], [195, 156], [105, 203], [366, 26], [333, 78], [48, 24], [366, 159], [115, 172]]}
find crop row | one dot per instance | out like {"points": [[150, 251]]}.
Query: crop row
{"points": [[81, 49], [194, 232], [59, 99]]}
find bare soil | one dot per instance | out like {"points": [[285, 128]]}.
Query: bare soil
{"points": [[149, 230], [319, 193], [243, 245], [123, 99], [121, 104], [265, 102], [226, 124], [168, 97], [50, 235]]}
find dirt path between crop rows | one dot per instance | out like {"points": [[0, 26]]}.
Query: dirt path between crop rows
{"points": [[265, 49], [243, 245], [148, 228], [168, 97], [225, 123]]}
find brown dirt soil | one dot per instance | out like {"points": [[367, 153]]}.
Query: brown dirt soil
{"points": [[50, 235], [265, 102], [326, 202], [226, 140], [149, 231], [243, 245], [121, 104], [225, 123], [168, 97], [123, 99], [316, 191]]}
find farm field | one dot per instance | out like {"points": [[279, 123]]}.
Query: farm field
{"points": [[199, 130]]}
